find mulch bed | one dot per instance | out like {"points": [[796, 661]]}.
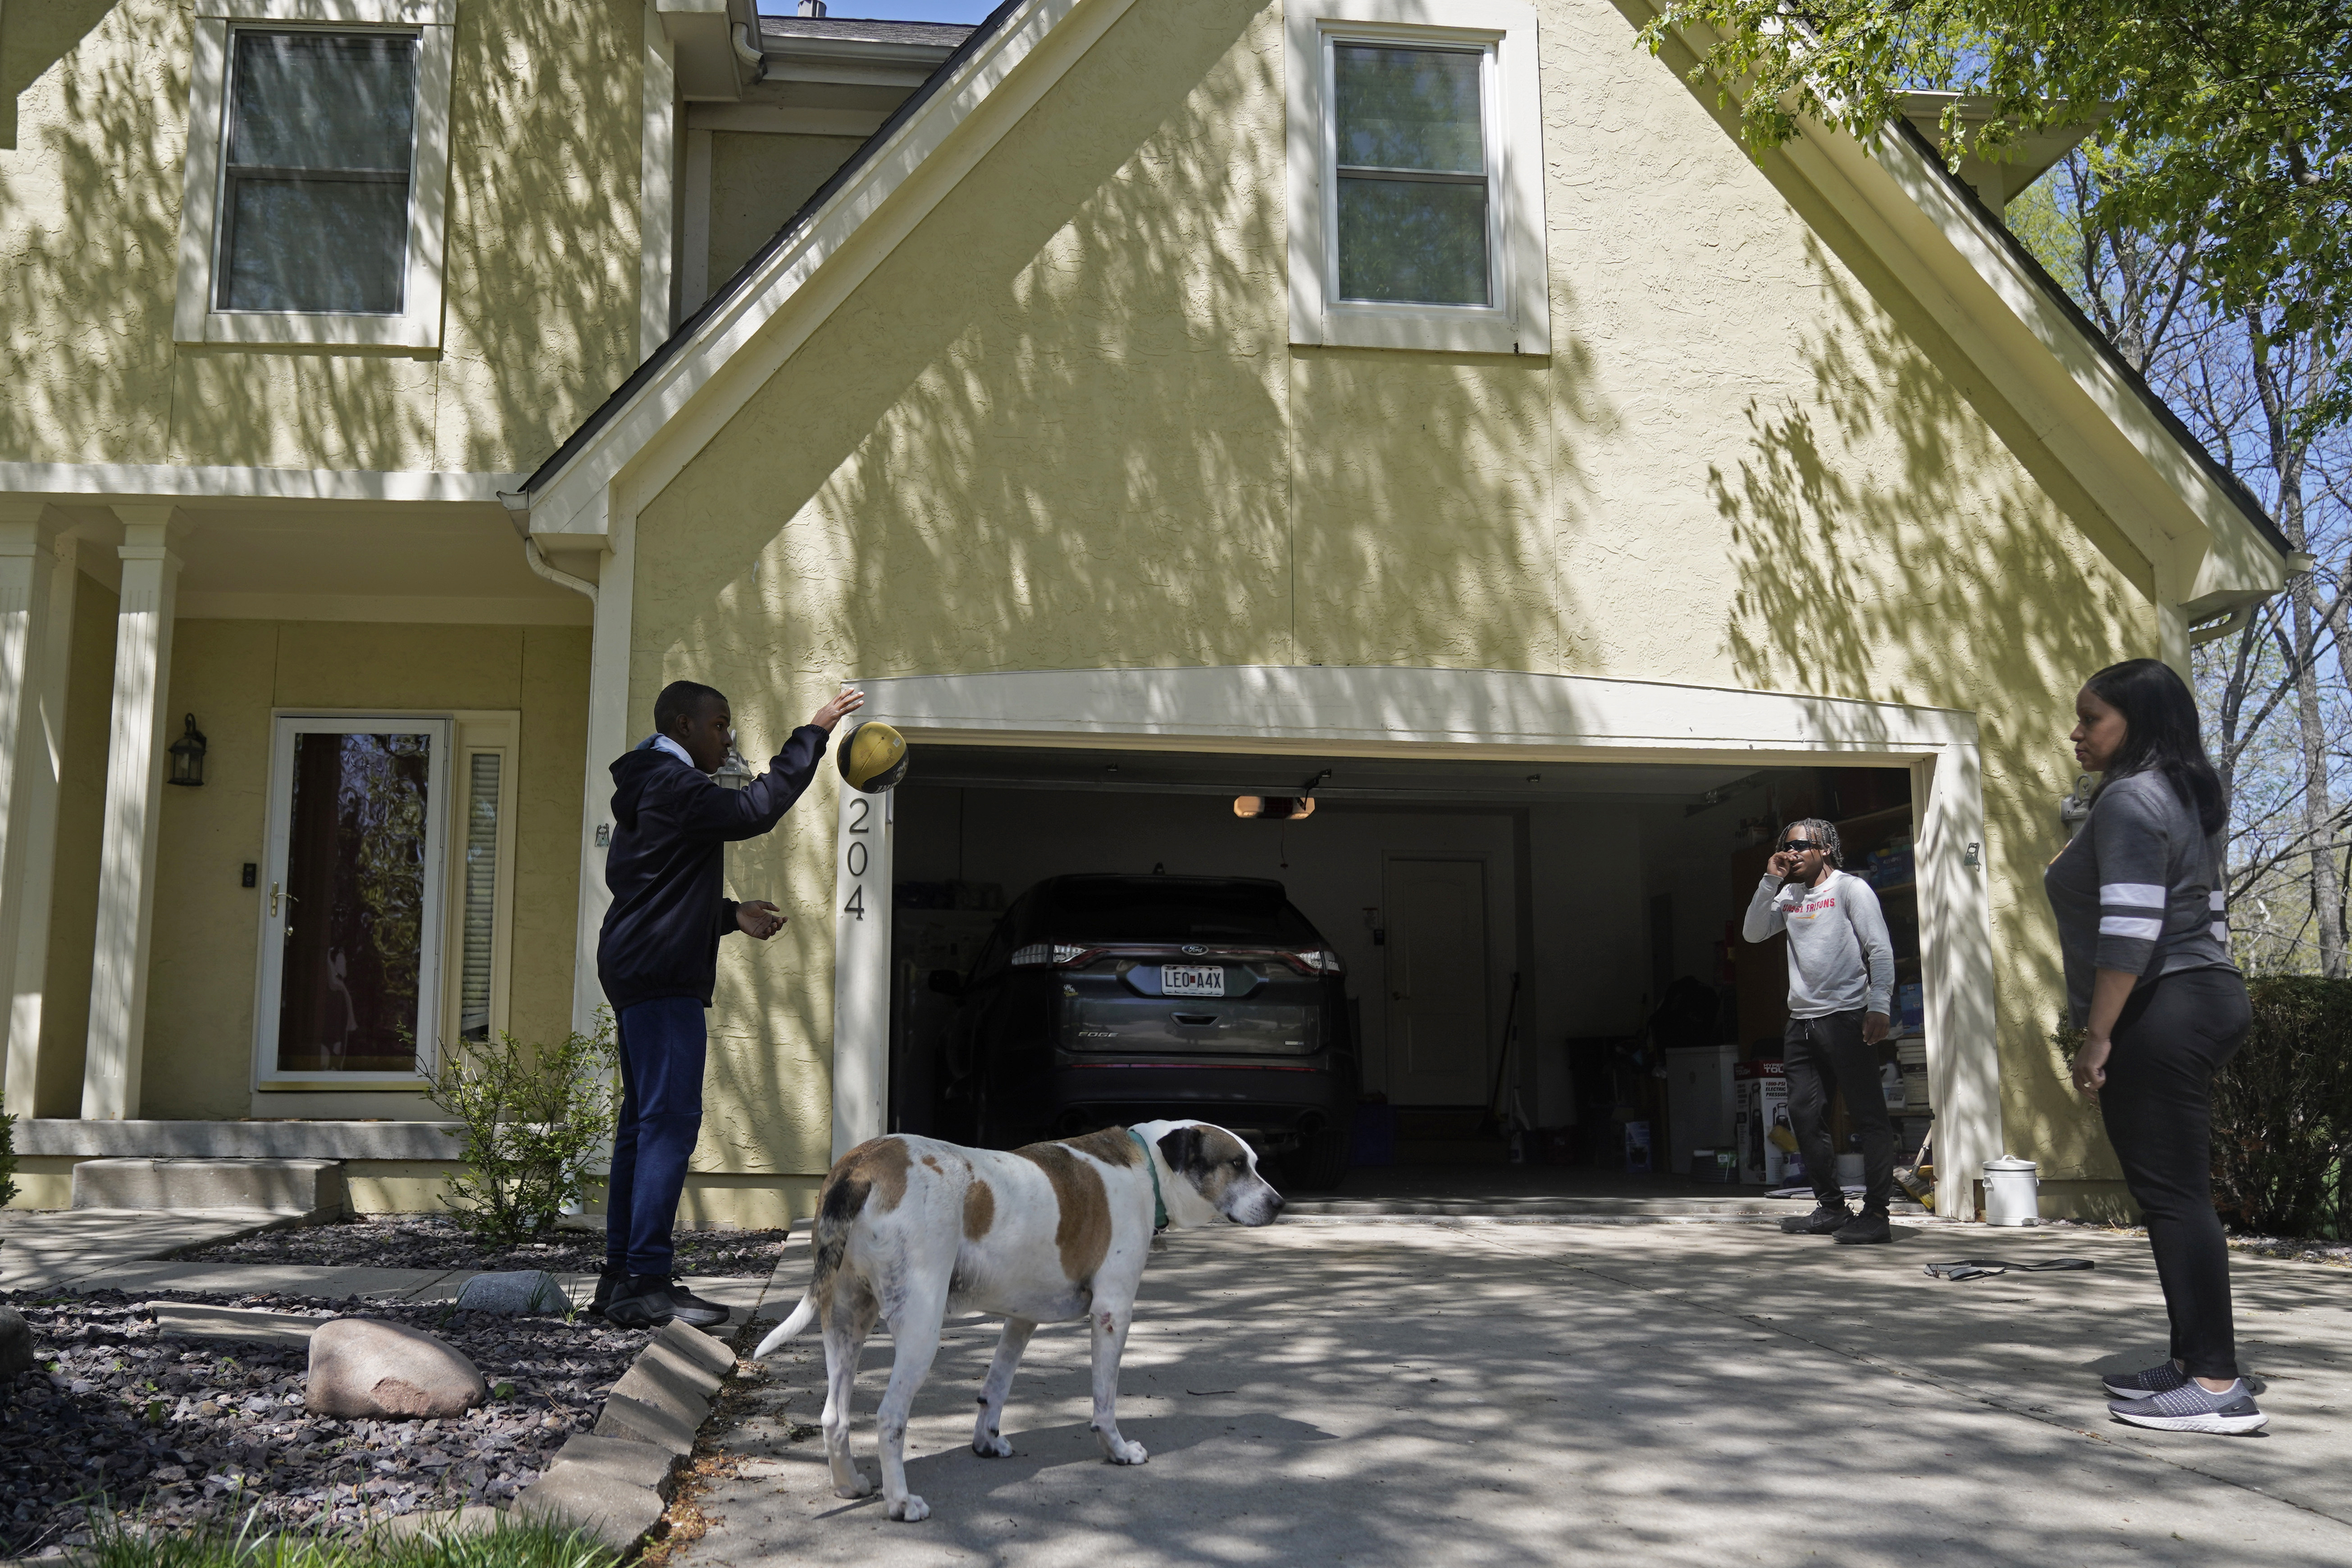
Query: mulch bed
{"points": [[184, 1430], [437, 1241]]}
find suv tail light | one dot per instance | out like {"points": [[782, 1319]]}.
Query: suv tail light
{"points": [[1040, 954], [1321, 961]]}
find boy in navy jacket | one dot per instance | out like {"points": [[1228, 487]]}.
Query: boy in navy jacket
{"points": [[657, 958]]}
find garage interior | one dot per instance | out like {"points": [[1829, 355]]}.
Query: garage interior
{"points": [[1607, 895]]}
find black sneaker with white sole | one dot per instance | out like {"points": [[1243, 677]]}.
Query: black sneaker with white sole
{"points": [[2162, 1378], [1823, 1221], [2193, 1407]]}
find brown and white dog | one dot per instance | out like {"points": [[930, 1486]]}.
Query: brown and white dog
{"points": [[909, 1229]]}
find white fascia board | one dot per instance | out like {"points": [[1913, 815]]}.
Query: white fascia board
{"points": [[133, 481], [670, 418]]}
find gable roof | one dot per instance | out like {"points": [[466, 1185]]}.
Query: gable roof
{"points": [[1959, 259], [865, 30]]}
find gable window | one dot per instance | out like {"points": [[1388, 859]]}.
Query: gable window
{"points": [[314, 194], [1416, 213], [317, 167]]}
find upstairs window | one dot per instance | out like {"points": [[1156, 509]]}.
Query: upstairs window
{"points": [[315, 183], [1416, 162], [1411, 157], [317, 168]]}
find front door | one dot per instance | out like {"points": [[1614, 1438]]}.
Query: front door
{"points": [[1437, 982], [350, 951]]}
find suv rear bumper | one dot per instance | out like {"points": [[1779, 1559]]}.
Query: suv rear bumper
{"points": [[1276, 1102]]}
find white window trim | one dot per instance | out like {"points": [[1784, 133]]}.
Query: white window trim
{"points": [[193, 319], [1519, 321]]}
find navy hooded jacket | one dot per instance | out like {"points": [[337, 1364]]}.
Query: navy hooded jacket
{"points": [[666, 864]]}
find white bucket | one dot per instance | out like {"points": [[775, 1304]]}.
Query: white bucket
{"points": [[2012, 1192]]}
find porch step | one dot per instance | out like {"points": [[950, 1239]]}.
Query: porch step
{"points": [[313, 1188]]}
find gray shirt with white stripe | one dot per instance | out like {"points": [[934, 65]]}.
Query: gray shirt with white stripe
{"points": [[2138, 889]]}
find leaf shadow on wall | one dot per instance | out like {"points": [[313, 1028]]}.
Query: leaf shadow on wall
{"points": [[1898, 535]]}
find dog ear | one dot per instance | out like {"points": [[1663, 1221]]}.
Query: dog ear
{"points": [[1182, 1150]]}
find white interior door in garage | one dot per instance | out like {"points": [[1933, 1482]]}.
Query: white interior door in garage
{"points": [[1437, 982]]}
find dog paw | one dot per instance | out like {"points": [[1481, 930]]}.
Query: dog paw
{"points": [[860, 1487], [911, 1507], [1126, 1453], [992, 1447]]}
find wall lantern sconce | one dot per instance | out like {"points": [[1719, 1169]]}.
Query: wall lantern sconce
{"points": [[734, 773], [2073, 810], [188, 755]]}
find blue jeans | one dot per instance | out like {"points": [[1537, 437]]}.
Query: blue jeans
{"points": [[662, 1047]]}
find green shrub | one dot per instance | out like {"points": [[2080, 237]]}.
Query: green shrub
{"points": [[2282, 1110], [7, 1160], [534, 1121]]}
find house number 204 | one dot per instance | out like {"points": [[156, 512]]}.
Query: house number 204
{"points": [[858, 855]]}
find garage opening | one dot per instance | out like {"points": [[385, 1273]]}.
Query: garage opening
{"points": [[1537, 976]]}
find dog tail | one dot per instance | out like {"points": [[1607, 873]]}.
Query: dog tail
{"points": [[837, 1208], [803, 1315]]}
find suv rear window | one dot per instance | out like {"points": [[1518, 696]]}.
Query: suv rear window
{"points": [[1166, 908]]}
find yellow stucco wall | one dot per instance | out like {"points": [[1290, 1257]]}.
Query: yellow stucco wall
{"points": [[1062, 426], [757, 182], [231, 673], [542, 261]]}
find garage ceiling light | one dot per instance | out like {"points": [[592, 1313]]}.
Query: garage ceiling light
{"points": [[1283, 806]]}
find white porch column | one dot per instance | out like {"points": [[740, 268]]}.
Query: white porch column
{"points": [[36, 596], [134, 781], [608, 737]]}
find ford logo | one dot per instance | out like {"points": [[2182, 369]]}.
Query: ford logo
{"points": [[1192, 952]]}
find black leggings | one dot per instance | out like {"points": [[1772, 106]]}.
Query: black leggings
{"points": [[2174, 1035]]}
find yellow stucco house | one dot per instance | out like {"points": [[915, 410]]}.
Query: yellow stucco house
{"points": [[1421, 403]]}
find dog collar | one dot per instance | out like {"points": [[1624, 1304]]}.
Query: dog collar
{"points": [[1158, 1207]]}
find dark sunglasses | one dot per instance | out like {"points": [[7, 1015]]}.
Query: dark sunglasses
{"points": [[1799, 845]]}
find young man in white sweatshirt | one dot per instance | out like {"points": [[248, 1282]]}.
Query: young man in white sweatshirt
{"points": [[1840, 980]]}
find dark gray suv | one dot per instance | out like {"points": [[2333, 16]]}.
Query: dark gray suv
{"points": [[1105, 999]]}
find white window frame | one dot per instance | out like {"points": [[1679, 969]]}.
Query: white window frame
{"points": [[1519, 319], [418, 327], [434, 927]]}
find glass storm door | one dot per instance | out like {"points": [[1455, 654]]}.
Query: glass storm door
{"points": [[351, 905]]}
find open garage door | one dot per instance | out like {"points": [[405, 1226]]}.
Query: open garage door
{"points": [[1529, 964]]}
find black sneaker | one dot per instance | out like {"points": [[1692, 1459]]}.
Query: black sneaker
{"points": [[2162, 1378], [2193, 1407], [695, 1311], [1823, 1221], [641, 1301], [1865, 1228], [608, 1281]]}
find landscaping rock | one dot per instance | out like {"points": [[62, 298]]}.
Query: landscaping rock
{"points": [[517, 1293], [363, 1367], [617, 1515], [15, 1342], [618, 1461]]}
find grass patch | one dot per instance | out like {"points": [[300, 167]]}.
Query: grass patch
{"points": [[513, 1544]]}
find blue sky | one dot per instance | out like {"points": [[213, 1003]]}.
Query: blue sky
{"points": [[893, 10]]}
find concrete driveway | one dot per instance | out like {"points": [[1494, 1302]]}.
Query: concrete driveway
{"points": [[1475, 1392]]}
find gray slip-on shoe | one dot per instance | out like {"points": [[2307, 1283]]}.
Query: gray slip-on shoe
{"points": [[2162, 1378], [2192, 1407]]}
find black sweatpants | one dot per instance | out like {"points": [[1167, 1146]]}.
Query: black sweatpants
{"points": [[1818, 1055], [2174, 1035]]}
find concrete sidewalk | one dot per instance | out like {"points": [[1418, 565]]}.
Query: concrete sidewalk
{"points": [[1468, 1393], [60, 1251]]}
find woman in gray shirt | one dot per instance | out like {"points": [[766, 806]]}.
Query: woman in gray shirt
{"points": [[2148, 979]]}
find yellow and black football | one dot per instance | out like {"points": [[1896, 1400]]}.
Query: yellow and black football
{"points": [[873, 758]]}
